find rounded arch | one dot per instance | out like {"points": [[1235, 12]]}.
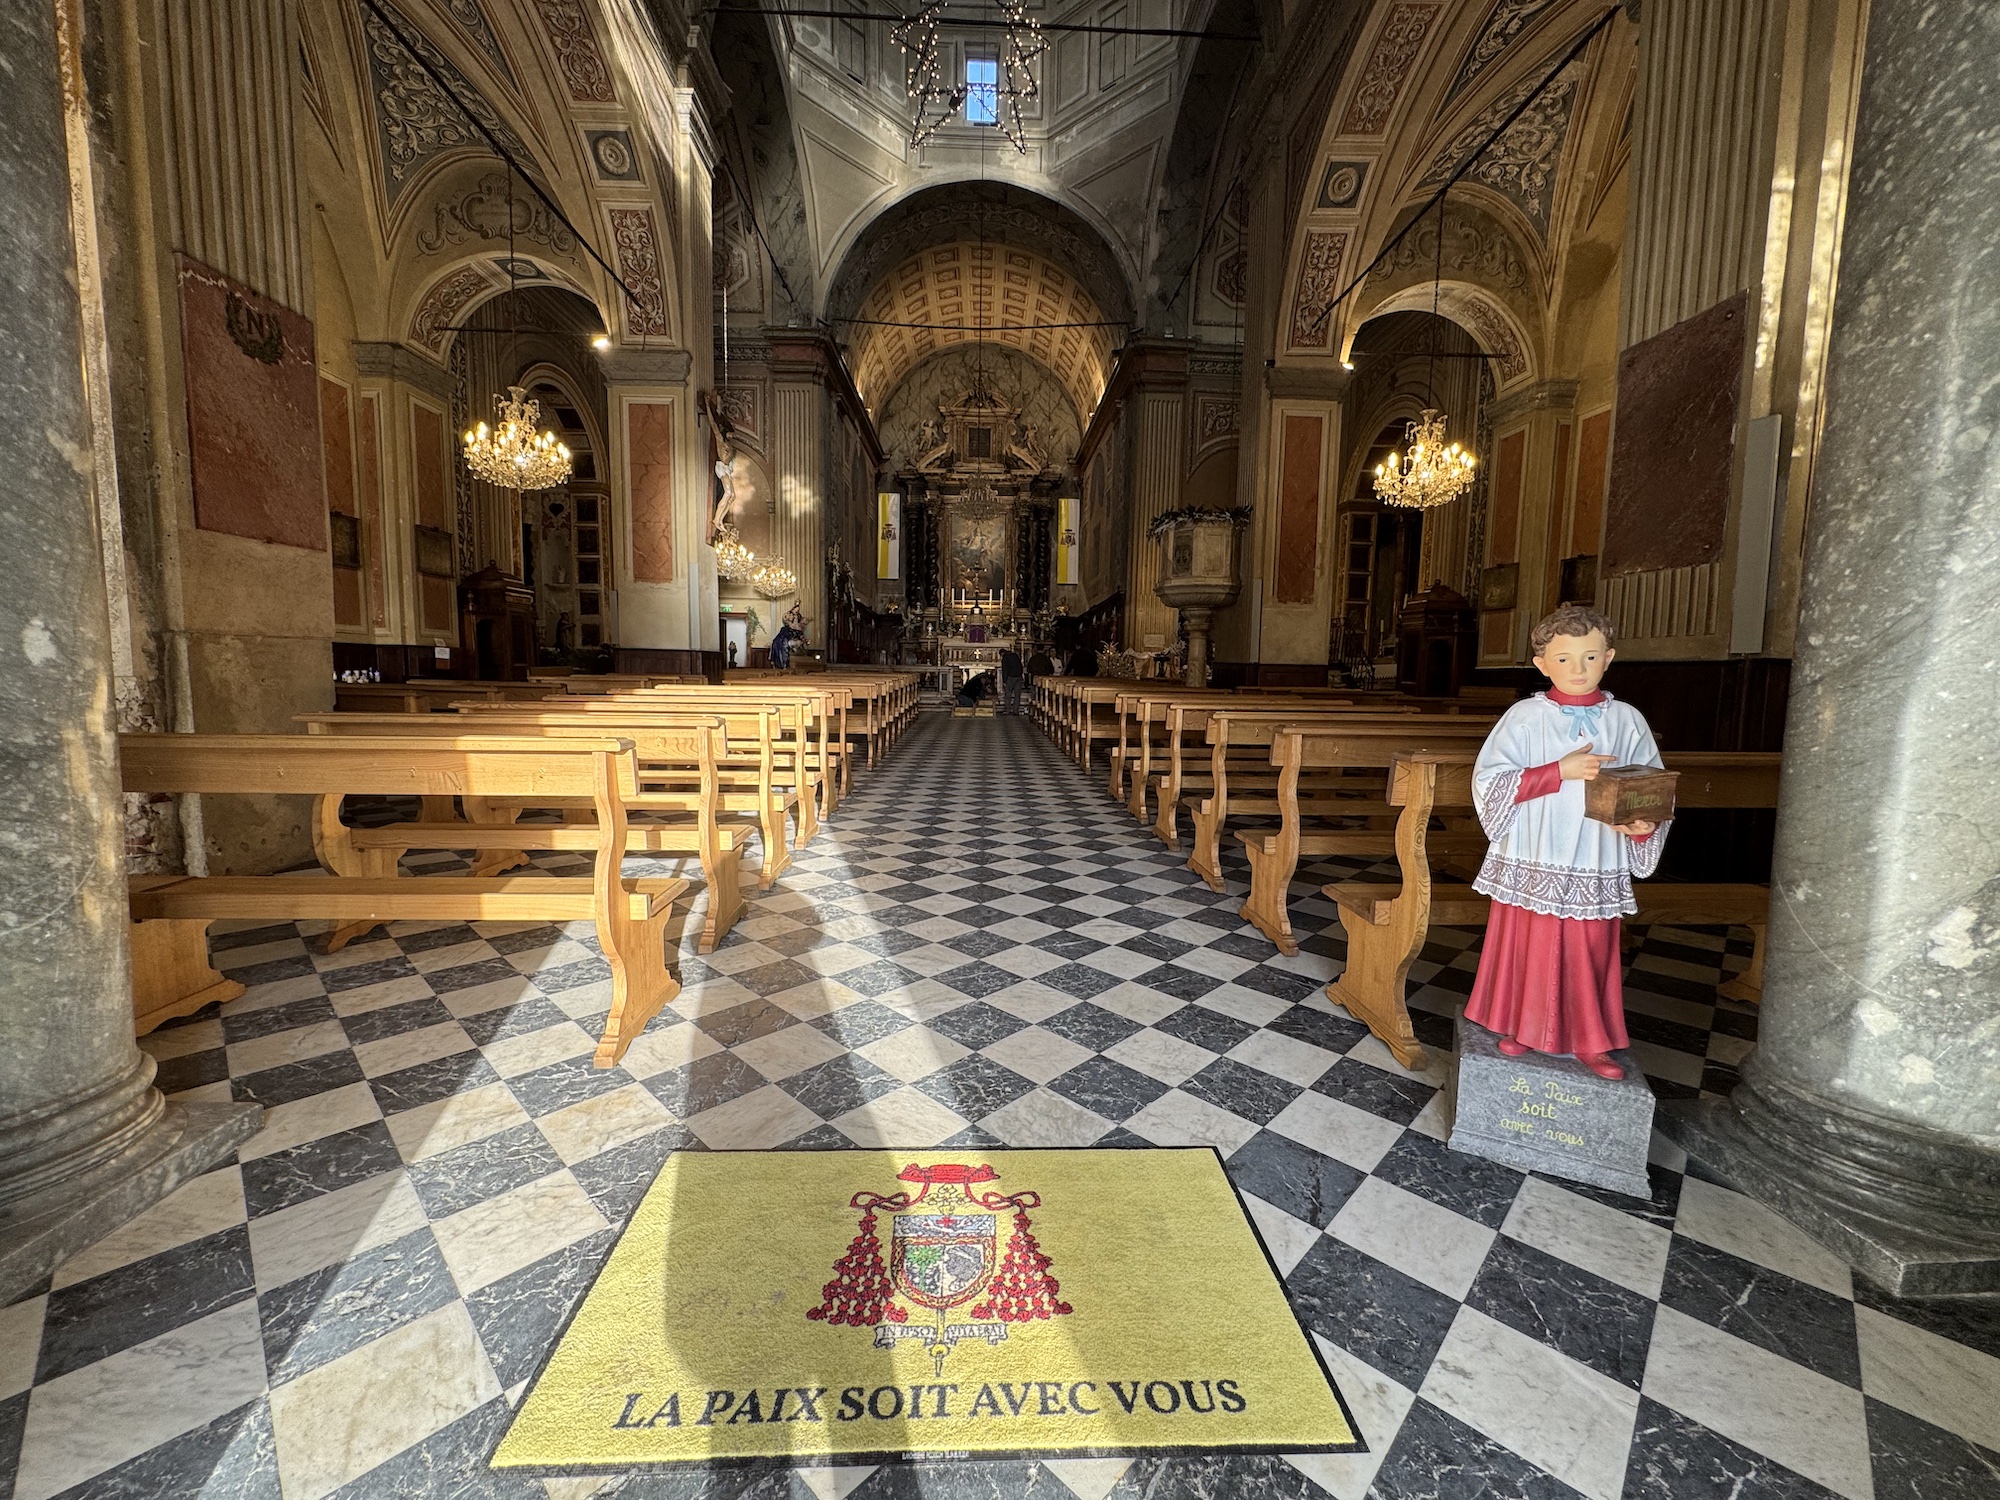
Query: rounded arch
{"points": [[587, 404], [456, 289], [997, 213], [1492, 325]]}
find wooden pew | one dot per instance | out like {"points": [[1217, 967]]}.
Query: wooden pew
{"points": [[171, 972], [758, 772], [424, 695], [803, 733], [1387, 924], [881, 703], [1177, 711], [1237, 779], [1094, 714], [688, 809], [1312, 758], [363, 883], [821, 726]]}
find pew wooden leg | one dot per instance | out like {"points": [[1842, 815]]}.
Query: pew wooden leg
{"points": [[1372, 986], [1135, 803], [1206, 860], [1747, 988], [1166, 827], [723, 874], [499, 861], [347, 932], [171, 973], [1271, 867], [641, 985], [334, 845], [777, 852]]}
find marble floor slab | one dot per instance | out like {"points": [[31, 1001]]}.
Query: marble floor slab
{"points": [[981, 949]]}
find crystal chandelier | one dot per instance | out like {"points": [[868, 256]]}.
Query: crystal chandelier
{"points": [[733, 560], [1430, 472], [773, 578], [514, 453]]}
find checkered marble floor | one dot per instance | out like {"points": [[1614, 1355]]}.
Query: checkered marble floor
{"points": [[982, 950]]}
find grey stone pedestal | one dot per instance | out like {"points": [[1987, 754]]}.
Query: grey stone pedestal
{"points": [[38, 1234], [1551, 1114]]}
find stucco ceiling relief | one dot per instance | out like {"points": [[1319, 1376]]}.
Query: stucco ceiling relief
{"points": [[1521, 165], [478, 30], [584, 73], [1318, 285], [1507, 20], [969, 293], [416, 122], [1397, 46], [445, 302], [636, 241]]}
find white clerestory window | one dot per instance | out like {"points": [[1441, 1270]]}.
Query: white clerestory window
{"points": [[982, 90]]}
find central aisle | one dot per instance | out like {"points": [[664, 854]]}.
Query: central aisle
{"points": [[981, 950]]}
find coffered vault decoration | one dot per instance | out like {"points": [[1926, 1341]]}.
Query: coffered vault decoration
{"points": [[416, 123], [980, 293]]}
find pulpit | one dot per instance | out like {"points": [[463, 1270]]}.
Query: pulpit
{"points": [[1198, 575], [1436, 643], [496, 623]]}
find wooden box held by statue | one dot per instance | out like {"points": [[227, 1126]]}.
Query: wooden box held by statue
{"points": [[1627, 794]]}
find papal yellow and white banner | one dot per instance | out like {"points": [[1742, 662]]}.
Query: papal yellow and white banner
{"points": [[1069, 549], [888, 536]]}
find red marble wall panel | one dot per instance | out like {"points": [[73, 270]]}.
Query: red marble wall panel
{"points": [[336, 435], [649, 448], [1508, 470], [368, 476], [437, 605], [427, 443], [1593, 463], [1675, 448], [347, 596], [1297, 577], [253, 412]]}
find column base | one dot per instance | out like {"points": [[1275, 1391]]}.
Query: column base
{"points": [[1908, 1249], [41, 1232]]}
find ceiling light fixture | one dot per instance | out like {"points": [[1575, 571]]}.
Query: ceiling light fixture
{"points": [[515, 453], [995, 98], [1430, 472]]}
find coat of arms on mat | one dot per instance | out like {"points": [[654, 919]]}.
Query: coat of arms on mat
{"points": [[945, 1261]]}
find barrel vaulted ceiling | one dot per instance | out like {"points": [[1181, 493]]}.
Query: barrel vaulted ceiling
{"points": [[974, 292]]}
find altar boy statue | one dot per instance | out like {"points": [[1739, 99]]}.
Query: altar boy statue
{"points": [[1549, 974]]}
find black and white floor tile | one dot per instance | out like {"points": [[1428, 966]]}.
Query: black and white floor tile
{"points": [[981, 950]]}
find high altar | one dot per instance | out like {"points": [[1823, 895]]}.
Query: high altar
{"points": [[979, 505]]}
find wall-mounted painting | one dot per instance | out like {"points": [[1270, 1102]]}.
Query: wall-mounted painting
{"points": [[979, 554]]}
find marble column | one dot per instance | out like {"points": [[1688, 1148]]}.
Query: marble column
{"points": [[1870, 1112], [85, 1140]]}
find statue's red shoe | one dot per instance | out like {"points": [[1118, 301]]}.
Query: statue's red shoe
{"points": [[1513, 1048], [1601, 1065]]}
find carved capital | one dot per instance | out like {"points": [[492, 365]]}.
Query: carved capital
{"points": [[647, 366], [1543, 395], [391, 361]]}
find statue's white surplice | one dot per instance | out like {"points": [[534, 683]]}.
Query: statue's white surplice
{"points": [[1546, 856]]}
